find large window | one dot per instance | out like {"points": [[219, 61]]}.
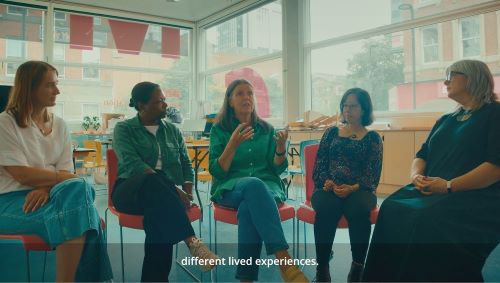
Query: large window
{"points": [[402, 69], [248, 46], [104, 58], [471, 36], [20, 38], [430, 44]]}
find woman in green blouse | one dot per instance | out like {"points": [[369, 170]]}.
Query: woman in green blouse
{"points": [[246, 159]]}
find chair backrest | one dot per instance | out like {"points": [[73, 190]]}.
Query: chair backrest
{"points": [[310, 153], [93, 156], [112, 162], [302, 146]]}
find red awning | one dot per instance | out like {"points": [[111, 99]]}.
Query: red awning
{"points": [[170, 42], [81, 34], [128, 36]]}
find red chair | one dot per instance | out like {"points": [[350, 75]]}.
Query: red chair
{"points": [[33, 243], [305, 212], [136, 221], [30, 243], [229, 216]]}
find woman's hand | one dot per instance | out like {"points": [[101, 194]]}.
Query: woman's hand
{"points": [[280, 137], [432, 185], [242, 133], [184, 198], [418, 181], [344, 190], [36, 199], [329, 186], [187, 187]]}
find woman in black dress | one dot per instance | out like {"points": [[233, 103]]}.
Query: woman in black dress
{"points": [[443, 226], [346, 175]]}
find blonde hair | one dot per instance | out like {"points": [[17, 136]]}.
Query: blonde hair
{"points": [[29, 77], [480, 83]]}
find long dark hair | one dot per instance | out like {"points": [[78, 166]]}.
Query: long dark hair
{"points": [[226, 115]]}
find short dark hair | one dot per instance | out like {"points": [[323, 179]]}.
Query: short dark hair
{"points": [[364, 101], [142, 93]]}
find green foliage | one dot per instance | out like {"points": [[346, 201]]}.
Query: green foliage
{"points": [[89, 122], [378, 68]]}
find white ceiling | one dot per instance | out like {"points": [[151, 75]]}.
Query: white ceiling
{"points": [[188, 10]]}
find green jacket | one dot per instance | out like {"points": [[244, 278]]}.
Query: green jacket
{"points": [[253, 158], [137, 150]]}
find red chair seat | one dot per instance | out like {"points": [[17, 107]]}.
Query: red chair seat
{"points": [[30, 242]]}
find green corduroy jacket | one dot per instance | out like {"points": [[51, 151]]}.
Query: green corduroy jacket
{"points": [[137, 150]]}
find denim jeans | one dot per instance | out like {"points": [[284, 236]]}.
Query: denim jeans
{"points": [[69, 214], [258, 221]]}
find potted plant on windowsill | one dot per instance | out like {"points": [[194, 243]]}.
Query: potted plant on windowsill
{"points": [[86, 124], [96, 124]]}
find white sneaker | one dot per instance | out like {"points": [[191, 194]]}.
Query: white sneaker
{"points": [[198, 249]]}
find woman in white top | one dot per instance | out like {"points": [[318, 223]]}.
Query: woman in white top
{"points": [[39, 194]]}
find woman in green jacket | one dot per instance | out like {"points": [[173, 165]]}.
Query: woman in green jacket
{"points": [[152, 164], [246, 159]]}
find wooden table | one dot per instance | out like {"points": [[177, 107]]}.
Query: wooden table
{"points": [[81, 152]]}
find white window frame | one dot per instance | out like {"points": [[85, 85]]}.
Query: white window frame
{"points": [[480, 36], [437, 44], [24, 48], [15, 13], [63, 19], [92, 64], [97, 21], [86, 104], [62, 109], [7, 70]]}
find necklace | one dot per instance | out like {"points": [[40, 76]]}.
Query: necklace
{"points": [[465, 115], [44, 129], [353, 136]]}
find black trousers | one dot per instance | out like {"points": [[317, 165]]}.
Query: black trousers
{"points": [[329, 209], [165, 219]]}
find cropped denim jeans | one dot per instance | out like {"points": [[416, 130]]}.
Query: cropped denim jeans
{"points": [[69, 214], [258, 221]]}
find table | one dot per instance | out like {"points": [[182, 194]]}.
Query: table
{"points": [[198, 158], [106, 144], [80, 152]]}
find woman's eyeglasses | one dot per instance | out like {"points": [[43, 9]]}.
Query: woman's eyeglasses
{"points": [[451, 74]]}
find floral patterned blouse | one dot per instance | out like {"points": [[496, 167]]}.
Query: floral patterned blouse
{"points": [[348, 161]]}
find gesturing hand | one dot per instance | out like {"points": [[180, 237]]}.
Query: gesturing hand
{"points": [[280, 137], [36, 199], [242, 133]]}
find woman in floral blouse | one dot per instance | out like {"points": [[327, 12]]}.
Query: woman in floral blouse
{"points": [[346, 175]]}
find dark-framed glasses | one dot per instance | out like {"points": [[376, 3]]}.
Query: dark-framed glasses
{"points": [[451, 74]]}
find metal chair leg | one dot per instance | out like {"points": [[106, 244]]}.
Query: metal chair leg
{"points": [[44, 264], [121, 247], [28, 271]]}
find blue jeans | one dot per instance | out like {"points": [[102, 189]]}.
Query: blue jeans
{"points": [[258, 221], [69, 214]]}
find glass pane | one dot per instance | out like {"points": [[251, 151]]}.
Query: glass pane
{"points": [[253, 34], [397, 78], [119, 55], [267, 80], [330, 18], [21, 37]]}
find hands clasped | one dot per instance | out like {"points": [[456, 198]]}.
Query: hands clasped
{"points": [[429, 185]]}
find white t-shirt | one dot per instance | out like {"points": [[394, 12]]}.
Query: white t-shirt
{"points": [[153, 129], [28, 147]]}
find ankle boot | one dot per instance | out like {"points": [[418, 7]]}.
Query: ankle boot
{"points": [[322, 274], [355, 272]]}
